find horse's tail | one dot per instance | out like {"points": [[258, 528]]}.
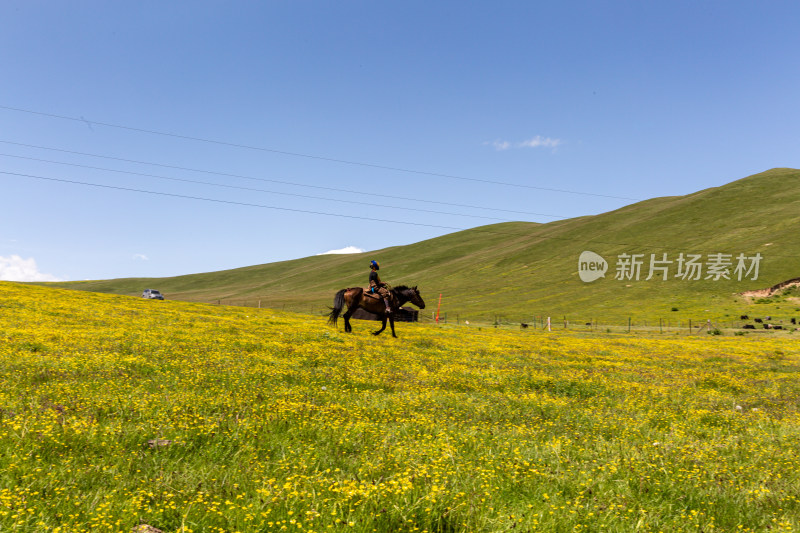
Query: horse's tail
{"points": [[338, 303]]}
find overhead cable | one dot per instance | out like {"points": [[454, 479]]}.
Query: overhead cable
{"points": [[323, 213], [309, 156], [282, 182], [219, 201], [252, 189]]}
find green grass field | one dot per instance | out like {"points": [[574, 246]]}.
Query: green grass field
{"points": [[519, 270], [117, 412]]}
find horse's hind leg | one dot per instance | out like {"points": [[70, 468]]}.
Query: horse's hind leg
{"points": [[347, 327], [383, 327]]}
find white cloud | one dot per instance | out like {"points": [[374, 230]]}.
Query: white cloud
{"points": [[140, 257], [500, 145], [535, 142], [15, 268], [538, 141], [345, 250]]}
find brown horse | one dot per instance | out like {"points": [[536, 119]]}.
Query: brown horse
{"points": [[354, 298]]}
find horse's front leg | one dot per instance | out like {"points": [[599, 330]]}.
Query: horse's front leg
{"points": [[383, 327], [391, 322]]}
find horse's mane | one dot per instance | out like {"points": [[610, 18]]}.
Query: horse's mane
{"points": [[401, 288]]}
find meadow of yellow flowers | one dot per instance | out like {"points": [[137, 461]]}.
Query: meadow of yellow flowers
{"points": [[117, 412]]}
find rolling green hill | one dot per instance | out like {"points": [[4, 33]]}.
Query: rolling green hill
{"points": [[518, 270]]}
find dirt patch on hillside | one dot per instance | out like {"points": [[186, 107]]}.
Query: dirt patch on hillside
{"points": [[770, 291]]}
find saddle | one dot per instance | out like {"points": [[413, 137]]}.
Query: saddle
{"points": [[369, 294], [377, 297]]}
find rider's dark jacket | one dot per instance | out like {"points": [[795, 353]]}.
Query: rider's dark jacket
{"points": [[376, 285], [374, 279]]}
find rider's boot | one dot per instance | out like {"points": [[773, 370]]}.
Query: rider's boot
{"points": [[388, 309]]}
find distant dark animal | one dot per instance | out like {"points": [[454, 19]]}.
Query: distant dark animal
{"points": [[759, 320], [768, 318], [588, 323], [794, 321], [744, 317], [767, 326], [355, 297], [777, 327], [523, 325], [748, 326]]}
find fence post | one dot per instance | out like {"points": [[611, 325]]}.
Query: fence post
{"points": [[629, 324], [548, 324]]}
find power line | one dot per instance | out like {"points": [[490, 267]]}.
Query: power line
{"points": [[309, 156], [356, 217], [251, 189], [282, 182], [216, 200]]}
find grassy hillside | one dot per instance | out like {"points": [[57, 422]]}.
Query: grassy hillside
{"points": [[518, 270], [117, 412]]}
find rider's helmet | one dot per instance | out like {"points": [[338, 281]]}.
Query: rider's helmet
{"points": [[375, 265]]}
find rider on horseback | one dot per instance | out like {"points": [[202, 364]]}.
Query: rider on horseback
{"points": [[378, 286]]}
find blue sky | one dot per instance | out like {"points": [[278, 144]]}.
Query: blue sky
{"points": [[159, 139]]}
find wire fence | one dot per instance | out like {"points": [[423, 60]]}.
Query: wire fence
{"points": [[543, 322], [684, 326]]}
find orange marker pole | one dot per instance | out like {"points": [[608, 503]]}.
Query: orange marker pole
{"points": [[438, 308]]}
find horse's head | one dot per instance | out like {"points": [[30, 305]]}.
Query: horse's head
{"points": [[415, 298], [409, 294]]}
